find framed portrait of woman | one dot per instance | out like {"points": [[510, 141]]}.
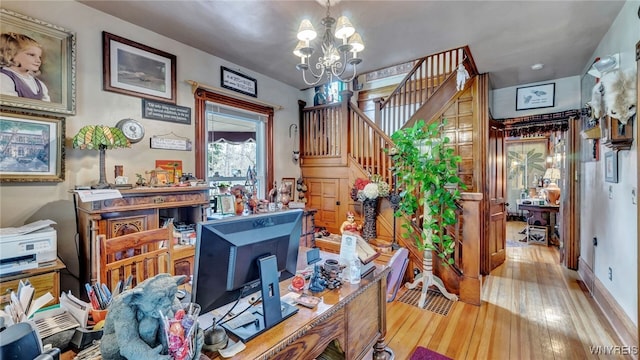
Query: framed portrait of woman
{"points": [[47, 84]]}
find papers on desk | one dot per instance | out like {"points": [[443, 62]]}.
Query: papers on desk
{"points": [[22, 305], [98, 195]]}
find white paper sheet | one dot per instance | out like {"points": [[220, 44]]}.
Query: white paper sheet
{"points": [[25, 229], [97, 195]]}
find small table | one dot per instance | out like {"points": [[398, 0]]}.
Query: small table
{"points": [[541, 215]]}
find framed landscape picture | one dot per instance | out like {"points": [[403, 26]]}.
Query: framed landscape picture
{"points": [[53, 89], [135, 69], [31, 148]]}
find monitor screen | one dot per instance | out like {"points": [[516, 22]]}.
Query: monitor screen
{"points": [[227, 253]]}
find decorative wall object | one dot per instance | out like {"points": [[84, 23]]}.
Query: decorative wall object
{"points": [[611, 166], [535, 97], [32, 148], [233, 80], [135, 69], [58, 69], [167, 142]]}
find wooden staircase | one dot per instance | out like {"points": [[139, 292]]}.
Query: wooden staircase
{"points": [[340, 143]]}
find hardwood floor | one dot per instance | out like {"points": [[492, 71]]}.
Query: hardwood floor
{"points": [[532, 308]]}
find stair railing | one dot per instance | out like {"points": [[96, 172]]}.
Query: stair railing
{"points": [[418, 86]]}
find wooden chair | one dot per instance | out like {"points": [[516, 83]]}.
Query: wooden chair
{"points": [[141, 254]]}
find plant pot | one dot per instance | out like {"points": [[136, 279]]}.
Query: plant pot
{"points": [[370, 207]]}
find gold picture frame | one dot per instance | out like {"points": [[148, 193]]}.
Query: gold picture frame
{"points": [[58, 69]]}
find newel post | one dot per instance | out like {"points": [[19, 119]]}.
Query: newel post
{"points": [[471, 283]]}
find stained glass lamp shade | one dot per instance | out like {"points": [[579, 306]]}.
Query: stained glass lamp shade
{"points": [[101, 138]]}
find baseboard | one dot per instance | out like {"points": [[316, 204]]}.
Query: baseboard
{"points": [[621, 323]]}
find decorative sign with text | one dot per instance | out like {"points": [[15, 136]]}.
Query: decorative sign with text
{"points": [[167, 143], [157, 110], [236, 81]]}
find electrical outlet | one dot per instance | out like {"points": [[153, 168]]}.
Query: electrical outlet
{"points": [[610, 274], [634, 196], [595, 241]]}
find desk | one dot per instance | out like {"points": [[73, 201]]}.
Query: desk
{"points": [[354, 315], [541, 215]]}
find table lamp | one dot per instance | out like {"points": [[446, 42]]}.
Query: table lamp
{"points": [[553, 191], [101, 138]]}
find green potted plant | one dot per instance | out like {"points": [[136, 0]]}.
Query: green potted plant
{"points": [[426, 171]]}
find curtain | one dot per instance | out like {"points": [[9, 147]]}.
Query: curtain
{"points": [[539, 125]]}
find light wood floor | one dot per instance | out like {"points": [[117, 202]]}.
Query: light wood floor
{"points": [[532, 308]]}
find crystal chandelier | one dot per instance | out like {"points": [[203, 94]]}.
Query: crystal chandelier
{"points": [[339, 49]]}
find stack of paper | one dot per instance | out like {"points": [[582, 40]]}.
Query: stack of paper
{"points": [[22, 305]]}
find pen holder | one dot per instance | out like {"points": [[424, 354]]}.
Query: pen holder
{"points": [[98, 315]]}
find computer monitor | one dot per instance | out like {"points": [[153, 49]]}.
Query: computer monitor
{"points": [[238, 256]]}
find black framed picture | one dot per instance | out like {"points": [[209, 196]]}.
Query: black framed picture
{"points": [[535, 96], [233, 80]]}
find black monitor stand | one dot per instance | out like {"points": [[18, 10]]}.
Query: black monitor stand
{"points": [[272, 311]]}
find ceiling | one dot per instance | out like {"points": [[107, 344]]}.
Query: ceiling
{"points": [[505, 37]]}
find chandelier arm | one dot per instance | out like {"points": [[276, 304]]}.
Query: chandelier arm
{"points": [[311, 83]]}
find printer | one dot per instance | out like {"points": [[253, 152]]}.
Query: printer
{"points": [[24, 251]]}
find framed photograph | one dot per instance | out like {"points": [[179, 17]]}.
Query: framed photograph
{"points": [[227, 204], [535, 97], [53, 87], [290, 184], [31, 148], [538, 235], [134, 69], [611, 167], [236, 81]]}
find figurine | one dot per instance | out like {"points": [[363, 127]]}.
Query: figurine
{"points": [[350, 224], [133, 328], [317, 282]]}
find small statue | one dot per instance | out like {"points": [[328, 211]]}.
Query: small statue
{"points": [[317, 283], [133, 328], [273, 193], [350, 224]]}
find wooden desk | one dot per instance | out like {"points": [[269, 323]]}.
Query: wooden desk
{"points": [[354, 315], [538, 213]]}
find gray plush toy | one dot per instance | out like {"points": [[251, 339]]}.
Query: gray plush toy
{"points": [[133, 328]]}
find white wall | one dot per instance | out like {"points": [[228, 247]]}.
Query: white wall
{"points": [[613, 220], [567, 97], [95, 106]]}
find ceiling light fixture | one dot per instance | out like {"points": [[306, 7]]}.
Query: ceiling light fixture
{"points": [[537, 66], [339, 49]]}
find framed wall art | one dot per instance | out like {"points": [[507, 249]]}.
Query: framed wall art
{"points": [[236, 81], [135, 69], [290, 185], [611, 167], [535, 97], [31, 148], [49, 86]]}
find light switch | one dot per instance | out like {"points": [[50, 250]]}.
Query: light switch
{"points": [[634, 195]]}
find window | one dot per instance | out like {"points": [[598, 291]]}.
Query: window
{"points": [[231, 135]]}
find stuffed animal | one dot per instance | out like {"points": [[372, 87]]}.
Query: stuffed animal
{"points": [[461, 76], [620, 94], [597, 103], [134, 329]]}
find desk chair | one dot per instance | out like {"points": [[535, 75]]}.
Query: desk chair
{"points": [[142, 255]]}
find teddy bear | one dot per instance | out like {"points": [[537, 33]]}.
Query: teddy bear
{"points": [[461, 76]]}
